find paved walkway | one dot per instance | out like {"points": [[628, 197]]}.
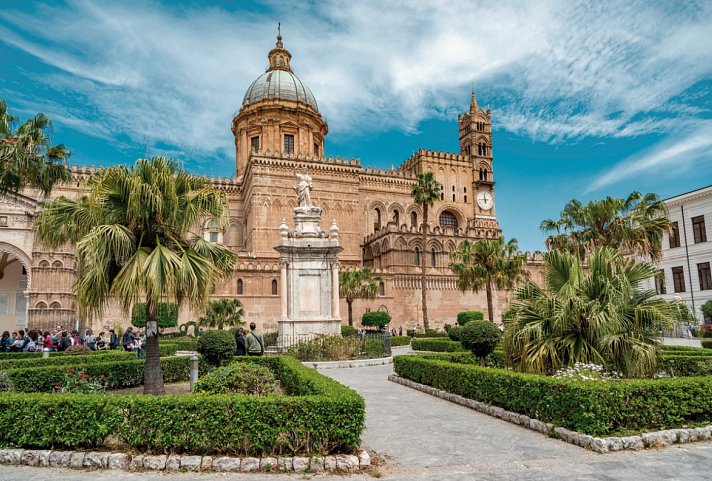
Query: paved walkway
{"points": [[425, 438]]}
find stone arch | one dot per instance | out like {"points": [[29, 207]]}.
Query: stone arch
{"points": [[377, 213], [41, 305], [57, 264], [234, 234], [396, 213], [459, 215], [21, 257], [55, 305], [401, 244], [44, 264]]}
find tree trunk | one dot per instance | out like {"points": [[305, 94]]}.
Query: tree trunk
{"points": [[152, 375], [351, 312], [490, 308], [482, 361], [423, 286]]}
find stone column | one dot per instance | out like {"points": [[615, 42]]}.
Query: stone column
{"points": [[335, 290], [283, 292]]}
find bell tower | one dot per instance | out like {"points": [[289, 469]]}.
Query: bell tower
{"points": [[476, 142]]}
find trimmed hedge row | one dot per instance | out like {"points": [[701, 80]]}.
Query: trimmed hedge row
{"points": [[686, 365], [430, 333], [38, 354], [64, 360], [707, 343], [117, 374], [595, 408], [319, 416], [685, 351], [179, 345], [400, 341], [436, 345]]}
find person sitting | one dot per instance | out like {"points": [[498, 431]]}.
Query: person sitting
{"points": [[113, 340], [64, 341], [18, 343], [47, 342], [99, 342], [3, 341], [90, 339]]}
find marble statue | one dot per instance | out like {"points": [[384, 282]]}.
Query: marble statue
{"points": [[303, 188]]}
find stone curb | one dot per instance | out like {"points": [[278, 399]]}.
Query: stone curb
{"points": [[657, 439], [345, 364], [345, 463]]}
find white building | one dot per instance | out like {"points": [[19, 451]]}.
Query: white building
{"points": [[687, 252]]}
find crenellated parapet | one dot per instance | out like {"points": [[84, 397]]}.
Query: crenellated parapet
{"points": [[414, 163]]}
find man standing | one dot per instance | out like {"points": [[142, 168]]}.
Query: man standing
{"points": [[255, 343]]}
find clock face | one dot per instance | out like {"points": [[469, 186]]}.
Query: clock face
{"points": [[484, 200]]}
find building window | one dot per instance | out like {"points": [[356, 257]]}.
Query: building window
{"points": [[416, 257], [432, 257], [703, 271], [396, 218], [465, 199], [20, 303], [381, 289], [413, 219], [255, 143], [377, 222], [212, 231], [289, 143], [316, 150], [274, 287], [660, 282], [442, 195], [678, 279], [698, 229], [240, 287], [214, 237], [675, 235], [453, 197], [447, 218]]}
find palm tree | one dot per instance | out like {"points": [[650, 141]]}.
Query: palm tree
{"points": [[27, 158], [599, 315], [134, 243], [360, 284], [223, 312], [425, 192], [634, 225], [488, 264]]}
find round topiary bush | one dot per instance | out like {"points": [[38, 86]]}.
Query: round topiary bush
{"points": [[217, 346], [466, 316], [348, 331], [480, 337], [455, 333], [375, 319], [238, 378]]}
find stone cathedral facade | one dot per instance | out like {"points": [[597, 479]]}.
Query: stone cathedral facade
{"points": [[278, 131]]}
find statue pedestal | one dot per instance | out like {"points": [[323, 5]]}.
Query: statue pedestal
{"points": [[309, 260]]}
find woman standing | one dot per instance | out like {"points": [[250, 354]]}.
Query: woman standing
{"points": [[240, 341]]}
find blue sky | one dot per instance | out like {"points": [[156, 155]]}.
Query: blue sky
{"points": [[588, 98]]}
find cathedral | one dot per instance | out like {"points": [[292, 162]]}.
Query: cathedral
{"points": [[279, 131]]}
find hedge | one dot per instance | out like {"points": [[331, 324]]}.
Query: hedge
{"points": [[400, 341], [436, 345], [686, 365], [429, 333], [64, 360], [595, 408], [319, 416], [38, 354], [707, 344], [466, 316], [117, 374], [189, 345]]}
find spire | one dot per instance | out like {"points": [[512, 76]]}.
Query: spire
{"points": [[279, 57], [473, 102]]}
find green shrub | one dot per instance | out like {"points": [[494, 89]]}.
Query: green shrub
{"points": [[78, 382], [53, 354], [410, 332], [467, 316], [430, 333], [400, 341], [238, 378], [183, 328], [77, 350], [167, 315], [707, 344], [5, 383], [270, 338], [374, 349], [375, 319], [480, 337], [436, 345], [348, 331], [707, 308], [595, 408], [217, 346], [180, 344], [683, 365], [455, 334], [319, 417], [65, 360]]}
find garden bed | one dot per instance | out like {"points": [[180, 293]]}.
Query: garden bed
{"points": [[436, 344], [318, 416]]}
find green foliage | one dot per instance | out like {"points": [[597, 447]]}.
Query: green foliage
{"points": [[466, 316], [223, 312], [429, 333], [400, 341], [52, 355], [375, 319], [5, 383], [77, 350], [239, 378], [599, 315], [595, 408], [707, 308], [55, 360], [178, 345], [167, 315], [319, 416], [436, 345], [217, 347], [455, 334], [183, 328], [337, 348], [686, 364], [270, 338], [480, 337], [79, 382], [359, 284], [348, 331], [706, 344]]}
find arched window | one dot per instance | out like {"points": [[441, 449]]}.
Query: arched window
{"points": [[212, 231], [413, 219], [274, 287], [41, 305], [396, 217], [377, 223], [442, 195], [416, 257], [432, 257], [447, 218], [453, 197], [281, 61], [381, 289], [55, 305], [57, 264], [44, 263], [240, 288]]}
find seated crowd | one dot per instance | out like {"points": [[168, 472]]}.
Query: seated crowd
{"points": [[58, 340]]}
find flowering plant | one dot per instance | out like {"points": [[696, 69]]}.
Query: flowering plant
{"points": [[587, 372], [79, 382]]}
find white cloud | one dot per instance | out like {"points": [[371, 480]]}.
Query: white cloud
{"points": [[551, 70]]}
